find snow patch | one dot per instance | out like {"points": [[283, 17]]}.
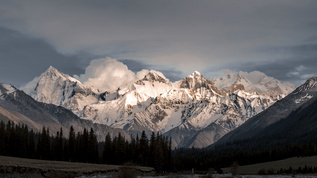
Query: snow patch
{"points": [[10, 89], [303, 99]]}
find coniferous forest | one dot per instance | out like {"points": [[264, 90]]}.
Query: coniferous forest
{"points": [[153, 151], [244, 152], [19, 141]]}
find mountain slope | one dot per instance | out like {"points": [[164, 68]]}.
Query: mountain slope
{"points": [[182, 109], [15, 105], [207, 136], [297, 126], [281, 109]]}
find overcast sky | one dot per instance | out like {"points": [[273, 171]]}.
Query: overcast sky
{"points": [[176, 37]]}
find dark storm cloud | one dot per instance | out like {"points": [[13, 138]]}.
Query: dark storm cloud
{"points": [[189, 35], [177, 37], [23, 58]]}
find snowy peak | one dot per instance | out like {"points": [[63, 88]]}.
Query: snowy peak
{"points": [[196, 81], [192, 79], [154, 76], [308, 85], [52, 70], [53, 73], [195, 74], [254, 82], [50, 78], [54, 87]]}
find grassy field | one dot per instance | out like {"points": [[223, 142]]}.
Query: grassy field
{"points": [[294, 162], [12, 165]]}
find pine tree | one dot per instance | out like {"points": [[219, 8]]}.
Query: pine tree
{"points": [[169, 155], [119, 149], [107, 155], [84, 139], [31, 145], [60, 145], [71, 144], [65, 150], [43, 146], [159, 156], [2, 138], [152, 149], [143, 149], [92, 148], [132, 150], [78, 149], [57, 146], [54, 146], [7, 137], [24, 141], [12, 139]]}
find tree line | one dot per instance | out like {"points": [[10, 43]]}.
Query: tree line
{"points": [[154, 151], [20, 141], [244, 152]]}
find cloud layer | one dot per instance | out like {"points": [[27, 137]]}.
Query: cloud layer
{"points": [[175, 37], [184, 34]]}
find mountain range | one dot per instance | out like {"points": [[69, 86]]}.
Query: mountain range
{"points": [[194, 112]]}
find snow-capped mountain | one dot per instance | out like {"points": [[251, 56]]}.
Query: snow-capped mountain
{"points": [[253, 82], [54, 87], [184, 110], [20, 108], [281, 116]]}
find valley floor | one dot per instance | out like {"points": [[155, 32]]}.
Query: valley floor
{"points": [[294, 162], [21, 167]]}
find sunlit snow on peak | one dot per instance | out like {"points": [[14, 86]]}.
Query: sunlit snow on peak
{"points": [[253, 82]]}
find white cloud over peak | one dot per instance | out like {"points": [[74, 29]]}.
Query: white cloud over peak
{"points": [[108, 74]]}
